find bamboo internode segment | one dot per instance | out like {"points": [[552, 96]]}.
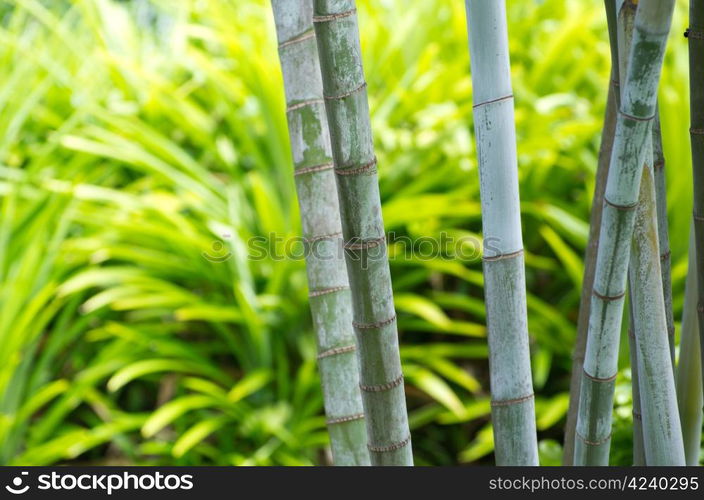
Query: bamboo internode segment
{"points": [[347, 110], [513, 410], [696, 82], [633, 129], [330, 300]]}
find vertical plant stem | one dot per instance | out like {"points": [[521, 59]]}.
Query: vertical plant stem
{"points": [[689, 381], [633, 129], [330, 302], [662, 431], [347, 109], [663, 230], [607, 142], [513, 406], [695, 35]]}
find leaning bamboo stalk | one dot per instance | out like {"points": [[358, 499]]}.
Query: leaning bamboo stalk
{"points": [[695, 35], [663, 230], [607, 142], [513, 407], [689, 381], [330, 302], [661, 429], [365, 243], [639, 95]]}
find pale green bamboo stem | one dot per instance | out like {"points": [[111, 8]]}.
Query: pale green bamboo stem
{"points": [[626, 21], [330, 302], [633, 128], [607, 142], [513, 408], [661, 429], [696, 83], [689, 381], [663, 230], [347, 109]]}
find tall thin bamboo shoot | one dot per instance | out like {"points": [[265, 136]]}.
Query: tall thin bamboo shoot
{"points": [[330, 301], [695, 35], [365, 243], [513, 411]]}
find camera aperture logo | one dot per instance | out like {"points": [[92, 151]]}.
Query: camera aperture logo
{"points": [[107, 483]]}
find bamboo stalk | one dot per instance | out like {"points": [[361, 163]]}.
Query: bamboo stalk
{"points": [[347, 109], [663, 230], [695, 35], [661, 429], [689, 381], [330, 302], [607, 142], [593, 435], [513, 411]]}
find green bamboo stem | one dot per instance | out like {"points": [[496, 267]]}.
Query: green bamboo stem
{"points": [[513, 406], [639, 95], [661, 428], [695, 35], [689, 381], [607, 142], [330, 302], [663, 230], [638, 449], [347, 109]]}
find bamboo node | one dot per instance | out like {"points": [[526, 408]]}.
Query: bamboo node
{"points": [[631, 206], [697, 217], [365, 245], [390, 447], [333, 17], [503, 256], [342, 420], [371, 326], [321, 237], [346, 94], [306, 35], [382, 387], [515, 401], [608, 298], [337, 350], [303, 104], [665, 255], [700, 307], [658, 165], [325, 291], [314, 168], [696, 131], [694, 34], [637, 416], [492, 101], [367, 168], [636, 118], [593, 443], [599, 379]]}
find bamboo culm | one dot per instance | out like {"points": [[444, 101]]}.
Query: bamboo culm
{"points": [[607, 142], [695, 35], [633, 129], [513, 406], [689, 381], [661, 429], [663, 230], [347, 109], [330, 301]]}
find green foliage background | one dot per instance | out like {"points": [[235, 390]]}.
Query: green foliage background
{"points": [[139, 137]]}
